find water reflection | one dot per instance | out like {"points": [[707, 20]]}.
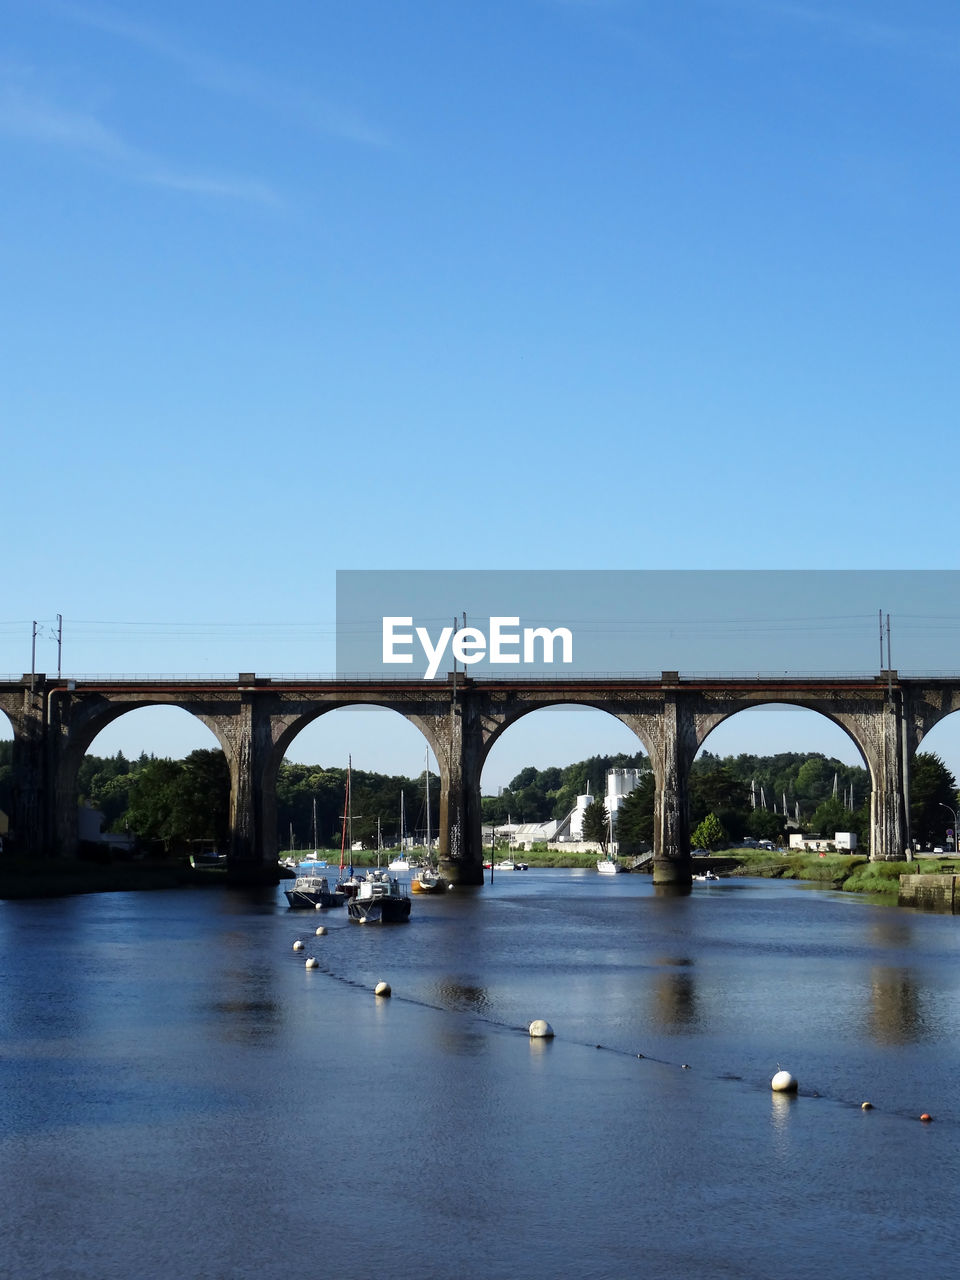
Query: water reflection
{"points": [[459, 1040], [893, 930], [241, 1002], [247, 1021], [460, 996], [895, 1015], [780, 1108], [675, 1001]]}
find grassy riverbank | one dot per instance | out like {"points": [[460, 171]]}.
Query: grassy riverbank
{"points": [[851, 872], [32, 877]]}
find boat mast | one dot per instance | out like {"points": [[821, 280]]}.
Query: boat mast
{"points": [[343, 824], [427, 785], [350, 810], [401, 820]]}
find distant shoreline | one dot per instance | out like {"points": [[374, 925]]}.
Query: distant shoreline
{"points": [[25, 877]]}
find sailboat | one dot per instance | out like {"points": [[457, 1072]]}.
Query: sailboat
{"points": [[310, 887], [401, 862], [609, 866], [347, 886], [428, 878]]}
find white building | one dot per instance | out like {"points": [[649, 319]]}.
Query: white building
{"points": [[620, 783]]}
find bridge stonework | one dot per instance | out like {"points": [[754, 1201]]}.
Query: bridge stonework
{"points": [[255, 719]]}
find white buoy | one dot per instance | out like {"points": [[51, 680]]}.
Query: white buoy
{"points": [[298, 945], [321, 930], [540, 1029], [318, 906], [783, 1082], [382, 989], [312, 963]]}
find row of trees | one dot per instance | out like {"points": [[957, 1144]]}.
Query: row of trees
{"points": [[745, 795], [171, 804]]}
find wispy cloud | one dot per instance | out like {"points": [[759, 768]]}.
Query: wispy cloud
{"points": [[231, 79], [31, 117]]}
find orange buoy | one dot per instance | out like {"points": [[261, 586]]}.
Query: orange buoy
{"points": [[926, 1117]]}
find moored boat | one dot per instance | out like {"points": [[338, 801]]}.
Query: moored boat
{"points": [[380, 899], [401, 862], [427, 879], [311, 889], [609, 866], [348, 884]]}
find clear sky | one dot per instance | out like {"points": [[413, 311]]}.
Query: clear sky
{"points": [[405, 284]]}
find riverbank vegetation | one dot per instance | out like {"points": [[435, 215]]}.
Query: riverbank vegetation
{"points": [[851, 872], [169, 806], [169, 809]]}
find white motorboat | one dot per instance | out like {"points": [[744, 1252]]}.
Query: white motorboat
{"points": [[380, 899]]}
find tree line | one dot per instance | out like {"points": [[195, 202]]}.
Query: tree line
{"points": [[171, 805], [763, 797]]}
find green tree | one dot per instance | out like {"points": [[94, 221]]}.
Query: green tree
{"points": [[635, 817], [932, 786], [709, 834], [830, 816], [715, 788], [596, 823], [203, 804], [178, 802], [153, 800], [6, 776], [764, 825], [814, 781]]}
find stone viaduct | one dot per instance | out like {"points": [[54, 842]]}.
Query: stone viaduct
{"points": [[255, 719]]}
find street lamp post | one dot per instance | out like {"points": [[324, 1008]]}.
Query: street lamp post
{"points": [[953, 814]]}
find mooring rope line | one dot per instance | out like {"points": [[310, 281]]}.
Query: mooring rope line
{"points": [[499, 1025]]}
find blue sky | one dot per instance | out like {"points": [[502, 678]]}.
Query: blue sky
{"points": [[562, 284]]}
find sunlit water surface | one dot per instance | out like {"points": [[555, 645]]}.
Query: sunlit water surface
{"points": [[183, 1098]]}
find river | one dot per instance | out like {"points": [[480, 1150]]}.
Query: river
{"points": [[183, 1098]]}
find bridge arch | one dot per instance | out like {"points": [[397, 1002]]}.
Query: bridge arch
{"points": [[80, 732], [495, 731], [812, 731], [289, 729], [709, 722], [712, 723], [566, 733]]}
